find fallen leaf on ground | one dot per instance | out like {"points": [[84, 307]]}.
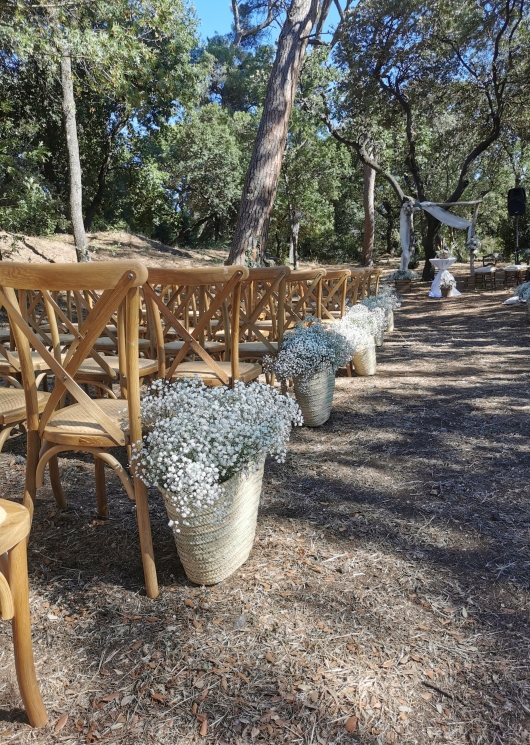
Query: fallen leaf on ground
{"points": [[60, 723]]}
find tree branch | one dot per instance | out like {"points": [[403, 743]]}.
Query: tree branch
{"points": [[242, 33]]}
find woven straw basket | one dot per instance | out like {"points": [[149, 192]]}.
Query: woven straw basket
{"points": [[210, 550], [364, 360], [315, 397], [389, 319]]}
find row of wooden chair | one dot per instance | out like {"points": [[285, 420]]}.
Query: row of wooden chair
{"points": [[105, 327]]}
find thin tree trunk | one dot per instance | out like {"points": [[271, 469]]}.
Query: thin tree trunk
{"points": [[74, 162], [369, 215], [261, 182], [293, 243]]}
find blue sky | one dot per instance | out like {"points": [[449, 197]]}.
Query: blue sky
{"points": [[216, 16]]}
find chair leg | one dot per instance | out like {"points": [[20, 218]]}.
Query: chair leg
{"points": [[32, 459], [4, 434], [146, 540], [55, 480], [25, 667], [101, 489]]}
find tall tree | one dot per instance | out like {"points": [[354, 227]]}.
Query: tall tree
{"points": [[261, 182], [72, 143], [450, 70], [369, 214], [122, 66]]}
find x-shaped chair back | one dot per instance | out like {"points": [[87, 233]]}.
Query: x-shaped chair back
{"points": [[334, 287], [303, 295], [115, 291], [119, 282], [356, 286], [373, 278], [217, 293], [263, 306]]}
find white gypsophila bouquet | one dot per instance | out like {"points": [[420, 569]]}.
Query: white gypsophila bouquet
{"points": [[373, 320], [402, 274], [307, 349], [198, 437], [387, 298], [523, 291], [358, 336]]}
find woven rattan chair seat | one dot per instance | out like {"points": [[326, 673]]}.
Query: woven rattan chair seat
{"points": [[255, 349], [247, 371], [13, 404], [38, 363], [91, 369], [106, 344], [73, 424], [175, 346]]}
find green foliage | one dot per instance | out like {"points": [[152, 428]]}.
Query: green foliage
{"points": [[166, 128]]}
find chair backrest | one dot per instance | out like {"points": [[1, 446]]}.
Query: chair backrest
{"points": [[372, 281], [217, 294], [490, 260], [115, 285], [355, 286], [334, 286], [263, 305], [303, 295]]}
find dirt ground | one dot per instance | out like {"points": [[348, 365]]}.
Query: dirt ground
{"points": [[104, 246], [386, 598]]}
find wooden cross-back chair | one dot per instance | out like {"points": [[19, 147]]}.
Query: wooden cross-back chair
{"points": [[186, 306], [57, 328], [374, 275], [262, 312], [369, 276], [303, 295], [85, 424], [353, 287], [219, 294], [14, 604], [334, 288]]}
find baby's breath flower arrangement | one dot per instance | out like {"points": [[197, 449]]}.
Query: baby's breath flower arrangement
{"points": [[308, 349], [386, 298], [372, 319], [407, 274], [523, 291], [360, 327], [447, 281], [198, 437]]}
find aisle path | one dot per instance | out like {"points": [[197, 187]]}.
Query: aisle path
{"points": [[388, 586]]}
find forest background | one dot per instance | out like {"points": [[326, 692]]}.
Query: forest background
{"points": [[428, 99]]}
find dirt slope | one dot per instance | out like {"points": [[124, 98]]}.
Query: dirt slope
{"points": [[104, 246]]}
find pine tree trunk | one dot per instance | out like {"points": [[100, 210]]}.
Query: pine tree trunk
{"points": [[261, 182], [74, 162], [369, 215]]}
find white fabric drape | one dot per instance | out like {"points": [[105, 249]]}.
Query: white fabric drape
{"points": [[447, 218], [404, 236]]}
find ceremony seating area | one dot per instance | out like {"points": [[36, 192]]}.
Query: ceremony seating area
{"points": [[84, 338]]}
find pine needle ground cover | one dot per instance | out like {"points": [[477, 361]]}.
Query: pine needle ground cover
{"points": [[386, 598]]}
